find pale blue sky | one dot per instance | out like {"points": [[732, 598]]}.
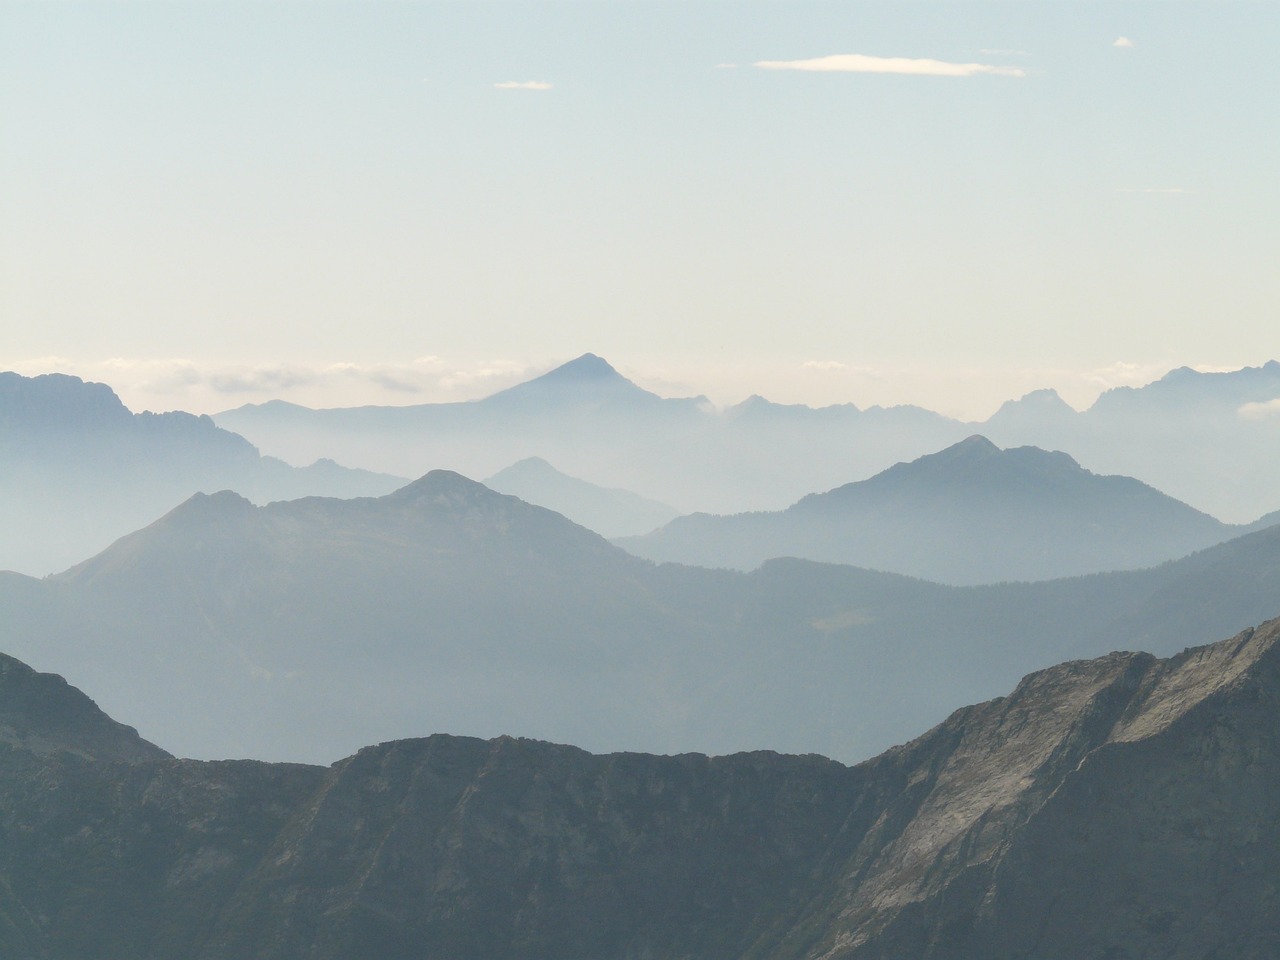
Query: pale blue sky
{"points": [[207, 204]]}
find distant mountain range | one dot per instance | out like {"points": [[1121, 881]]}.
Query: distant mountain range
{"points": [[78, 469], [609, 512], [1209, 439], [590, 421], [969, 514], [302, 629], [1118, 807]]}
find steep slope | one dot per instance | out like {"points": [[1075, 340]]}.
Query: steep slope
{"points": [[969, 514], [1120, 807], [42, 714], [608, 511], [81, 470]]}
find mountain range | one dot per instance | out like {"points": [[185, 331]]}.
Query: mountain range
{"points": [[1118, 807], [80, 470], [302, 629], [1208, 439], [969, 514], [610, 512]]}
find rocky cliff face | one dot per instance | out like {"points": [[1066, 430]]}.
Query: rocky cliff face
{"points": [[1122, 807]]}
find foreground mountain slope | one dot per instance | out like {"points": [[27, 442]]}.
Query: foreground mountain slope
{"points": [[1120, 807], [81, 469], [969, 514], [303, 629]]}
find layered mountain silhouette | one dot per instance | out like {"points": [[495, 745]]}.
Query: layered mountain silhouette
{"points": [[300, 630], [591, 421], [81, 470], [1208, 439], [970, 514], [1118, 807], [609, 512]]}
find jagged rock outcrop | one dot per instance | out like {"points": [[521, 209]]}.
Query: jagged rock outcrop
{"points": [[1120, 807]]}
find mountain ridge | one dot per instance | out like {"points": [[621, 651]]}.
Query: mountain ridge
{"points": [[1117, 806], [968, 514]]}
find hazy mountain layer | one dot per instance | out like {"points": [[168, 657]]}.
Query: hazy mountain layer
{"points": [[1209, 439], [301, 630], [1120, 807], [969, 514], [590, 421], [78, 469], [609, 512]]}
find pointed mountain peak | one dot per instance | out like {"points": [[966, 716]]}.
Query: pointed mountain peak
{"points": [[588, 378], [587, 367], [206, 507], [973, 446], [974, 461], [527, 469], [439, 483], [1037, 403]]}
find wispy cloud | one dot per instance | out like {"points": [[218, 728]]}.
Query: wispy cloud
{"points": [[1154, 190], [1260, 411], [1122, 42], [860, 63], [523, 85], [825, 365], [181, 384], [726, 66]]}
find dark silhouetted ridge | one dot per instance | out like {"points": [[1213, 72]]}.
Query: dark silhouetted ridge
{"points": [[43, 714]]}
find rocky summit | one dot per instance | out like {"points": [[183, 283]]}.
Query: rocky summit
{"points": [[1122, 807]]}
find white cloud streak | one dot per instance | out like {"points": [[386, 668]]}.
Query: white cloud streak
{"points": [[180, 384], [859, 63], [1260, 411], [1123, 42], [523, 85]]}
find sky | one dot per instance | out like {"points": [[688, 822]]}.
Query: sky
{"points": [[948, 204]]}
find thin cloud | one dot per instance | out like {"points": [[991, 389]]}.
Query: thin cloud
{"points": [[1154, 190], [1259, 411], [180, 384], [1122, 42], [826, 365], [859, 63], [523, 85]]}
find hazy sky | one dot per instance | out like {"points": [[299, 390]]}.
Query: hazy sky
{"points": [[942, 203]]}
